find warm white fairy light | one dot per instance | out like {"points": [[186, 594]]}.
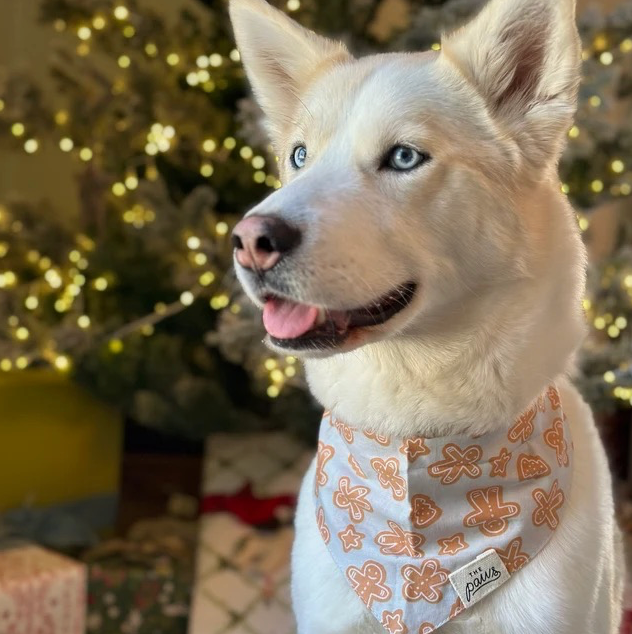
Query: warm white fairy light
{"points": [[31, 146], [84, 33], [121, 12], [209, 145], [193, 242], [187, 298]]}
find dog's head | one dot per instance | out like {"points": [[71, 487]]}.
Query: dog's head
{"points": [[411, 181]]}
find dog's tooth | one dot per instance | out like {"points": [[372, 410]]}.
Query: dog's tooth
{"points": [[322, 316]]}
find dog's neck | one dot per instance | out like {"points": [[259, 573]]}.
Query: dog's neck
{"points": [[480, 367]]}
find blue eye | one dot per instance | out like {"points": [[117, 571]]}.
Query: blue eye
{"points": [[299, 156], [403, 158]]}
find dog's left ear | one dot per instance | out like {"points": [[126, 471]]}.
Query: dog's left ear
{"points": [[280, 57], [523, 57]]}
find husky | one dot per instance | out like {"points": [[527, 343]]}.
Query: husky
{"points": [[423, 262]]}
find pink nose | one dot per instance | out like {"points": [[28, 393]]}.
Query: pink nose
{"points": [[261, 241]]}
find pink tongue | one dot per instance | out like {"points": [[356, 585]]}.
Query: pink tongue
{"points": [[287, 320]]}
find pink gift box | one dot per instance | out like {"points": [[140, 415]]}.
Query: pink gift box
{"points": [[41, 592]]}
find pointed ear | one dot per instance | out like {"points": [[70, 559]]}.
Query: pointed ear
{"points": [[280, 57], [523, 57]]}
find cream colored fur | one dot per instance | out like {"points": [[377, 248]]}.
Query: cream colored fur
{"points": [[493, 244]]}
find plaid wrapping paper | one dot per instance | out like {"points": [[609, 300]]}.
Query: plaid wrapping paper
{"points": [[41, 592]]}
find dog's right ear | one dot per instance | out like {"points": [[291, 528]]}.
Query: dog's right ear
{"points": [[280, 57]]}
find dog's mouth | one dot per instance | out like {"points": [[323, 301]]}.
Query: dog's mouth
{"points": [[304, 327]]}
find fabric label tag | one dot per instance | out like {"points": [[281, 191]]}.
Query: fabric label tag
{"points": [[477, 579]]}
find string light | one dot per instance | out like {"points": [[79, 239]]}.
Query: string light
{"points": [[31, 146], [173, 59], [62, 363], [207, 278], [98, 22], [209, 145], [574, 132], [118, 189], [606, 58], [187, 298], [121, 12], [17, 129], [124, 61], [626, 46], [293, 5], [85, 154], [84, 33], [215, 60], [66, 144], [219, 301], [206, 169], [221, 228], [617, 166], [61, 117], [115, 346], [100, 284]]}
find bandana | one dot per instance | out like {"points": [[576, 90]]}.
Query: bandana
{"points": [[423, 528]]}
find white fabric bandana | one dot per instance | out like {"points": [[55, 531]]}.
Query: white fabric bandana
{"points": [[404, 518]]}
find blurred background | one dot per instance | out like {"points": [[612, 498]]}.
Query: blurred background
{"points": [[150, 447]]}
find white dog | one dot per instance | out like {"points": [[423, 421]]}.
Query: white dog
{"points": [[423, 262]]}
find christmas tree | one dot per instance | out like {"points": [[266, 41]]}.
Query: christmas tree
{"points": [[138, 300]]}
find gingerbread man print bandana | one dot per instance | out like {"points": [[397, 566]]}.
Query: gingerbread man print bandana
{"points": [[411, 521]]}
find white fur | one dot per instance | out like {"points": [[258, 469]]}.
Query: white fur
{"points": [[493, 245]]}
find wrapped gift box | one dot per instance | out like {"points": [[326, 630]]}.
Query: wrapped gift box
{"points": [[242, 570], [132, 600], [41, 592]]}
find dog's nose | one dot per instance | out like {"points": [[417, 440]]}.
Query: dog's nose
{"points": [[261, 241]]}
